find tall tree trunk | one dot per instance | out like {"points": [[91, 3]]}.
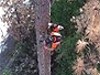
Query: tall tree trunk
{"points": [[41, 21]]}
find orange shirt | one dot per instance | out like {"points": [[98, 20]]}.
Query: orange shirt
{"points": [[55, 45], [56, 29]]}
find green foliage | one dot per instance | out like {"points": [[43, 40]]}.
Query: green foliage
{"points": [[66, 56], [62, 12], [7, 72]]}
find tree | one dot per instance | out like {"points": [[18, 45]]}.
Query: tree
{"points": [[41, 21], [20, 16]]}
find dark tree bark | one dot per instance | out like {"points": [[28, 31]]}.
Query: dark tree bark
{"points": [[41, 20]]}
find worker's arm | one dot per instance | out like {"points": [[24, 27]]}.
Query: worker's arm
{"points": [[47, 48], [51, 49]]}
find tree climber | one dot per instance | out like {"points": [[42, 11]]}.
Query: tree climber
{"points": [[53, 41], [54, 38]]}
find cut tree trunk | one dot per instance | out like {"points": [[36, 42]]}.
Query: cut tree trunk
{"points": [[41, 20]]}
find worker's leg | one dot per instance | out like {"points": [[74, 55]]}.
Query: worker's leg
{"points": [[48, 41]]}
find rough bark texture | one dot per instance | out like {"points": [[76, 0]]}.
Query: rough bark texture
{"points": [[41, 21]]}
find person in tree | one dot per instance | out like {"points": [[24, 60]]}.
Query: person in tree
{"points": [[53, 41], [54, 38]]}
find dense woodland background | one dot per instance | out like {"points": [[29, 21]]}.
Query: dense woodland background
{"points": [[23, 58]]}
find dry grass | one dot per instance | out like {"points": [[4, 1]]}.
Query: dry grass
{"points": [[81, 44], [79, 66], [94, 71]]}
